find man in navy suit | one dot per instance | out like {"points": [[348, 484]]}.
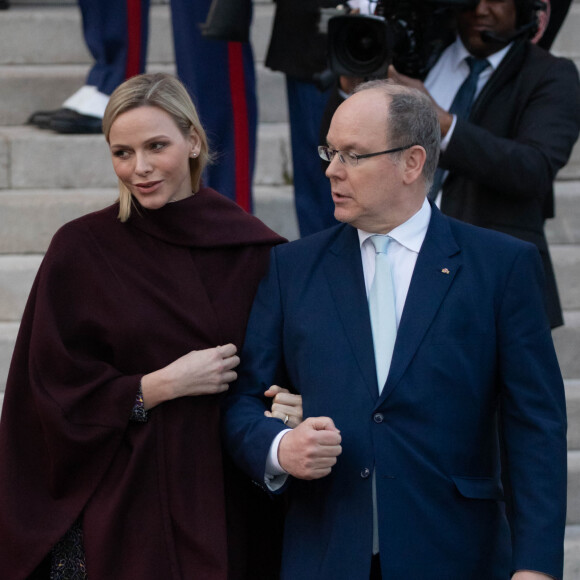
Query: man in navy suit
{"points": [[404, 478]]}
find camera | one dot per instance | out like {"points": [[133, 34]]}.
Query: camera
{"points": [[411, 34]]}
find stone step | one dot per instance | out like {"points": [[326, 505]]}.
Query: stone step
{"points": [[566, 43], [53, 3], [572, 553], [53, 34], [567, 341], [34, 159], [29, 218], [17, 273], [566, 261], [60, 3], [572, 169], [275, 207], [573, 511], [573, 409], [30, 88], [8, 332], [41, 87], [54, 61], [565, 227], [46, 207]]}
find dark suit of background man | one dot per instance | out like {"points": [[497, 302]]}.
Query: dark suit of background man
{"points": [[473, 356], [502, 160]]}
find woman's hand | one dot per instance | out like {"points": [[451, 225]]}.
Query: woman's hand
{"points": [[199, 372], [285, 406]]}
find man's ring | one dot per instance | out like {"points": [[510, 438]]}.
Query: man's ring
{"points": [[286, 419]]}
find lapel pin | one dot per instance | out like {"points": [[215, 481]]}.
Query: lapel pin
{"points": [[445, 270]]}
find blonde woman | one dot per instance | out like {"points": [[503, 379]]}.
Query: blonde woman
{"points": [[110, 455]]}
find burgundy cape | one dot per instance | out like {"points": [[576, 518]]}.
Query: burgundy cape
{"points": [[110, 303]]}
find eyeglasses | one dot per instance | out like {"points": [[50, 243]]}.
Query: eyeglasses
{"points": [[351, 159]]}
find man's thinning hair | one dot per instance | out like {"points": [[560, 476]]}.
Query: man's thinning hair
{"points": [[411, 118]]}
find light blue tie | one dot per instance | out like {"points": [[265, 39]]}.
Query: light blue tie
{"points": [[382, 310], [384, 326]]}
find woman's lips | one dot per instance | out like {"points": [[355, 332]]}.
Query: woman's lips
{"points": [[148, 187]]}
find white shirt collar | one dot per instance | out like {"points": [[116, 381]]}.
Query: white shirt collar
{"points": [[458, 54], [409, 234]]}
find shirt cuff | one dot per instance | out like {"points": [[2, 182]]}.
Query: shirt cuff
{"points": [[275, 476]]}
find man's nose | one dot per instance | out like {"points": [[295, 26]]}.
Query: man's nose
{"points": [[481, 7], [334, 167]]}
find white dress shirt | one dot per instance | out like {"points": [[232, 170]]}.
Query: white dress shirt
{"points": [[402, 255]]}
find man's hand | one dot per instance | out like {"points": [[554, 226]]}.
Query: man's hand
{"points": [[310, 450], [529, 575], [445, 118]]}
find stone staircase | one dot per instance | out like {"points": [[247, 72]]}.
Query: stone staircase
{"points": [[48, 179]]}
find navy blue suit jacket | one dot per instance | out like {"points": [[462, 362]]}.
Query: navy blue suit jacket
{"points": [[473, 365]]}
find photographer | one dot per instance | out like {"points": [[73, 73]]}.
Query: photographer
{"points": [[500, 156], [503, 146]]}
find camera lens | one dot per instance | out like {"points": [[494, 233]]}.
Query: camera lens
{"points": [[361, 45]]}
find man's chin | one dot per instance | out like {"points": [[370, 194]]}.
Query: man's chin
{"points": [[342, 216], [480, 48]]}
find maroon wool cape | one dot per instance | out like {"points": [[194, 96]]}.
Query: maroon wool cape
{"points": [[110, 303]]}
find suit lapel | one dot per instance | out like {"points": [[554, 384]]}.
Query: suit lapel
{"points": [[343, 269], [437, 265], [509, 66]]}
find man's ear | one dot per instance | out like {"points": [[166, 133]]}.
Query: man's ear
{"points": [[413, 161]]}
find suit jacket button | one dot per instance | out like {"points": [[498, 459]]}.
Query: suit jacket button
{"points": [[378, 418], [365, 472]]}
